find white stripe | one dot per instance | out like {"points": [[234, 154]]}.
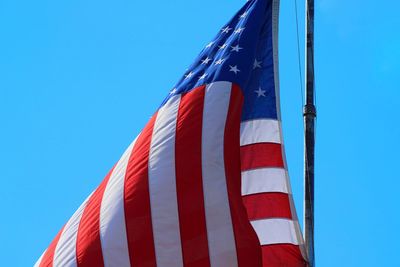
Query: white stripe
{"points": [[276, 231], [221, 241], [259, 131], [264, 180], [40, 259], [65, 253], [162, 187], [112, 216]]}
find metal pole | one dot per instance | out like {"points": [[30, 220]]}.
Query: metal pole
{"points": [[309, 122]]}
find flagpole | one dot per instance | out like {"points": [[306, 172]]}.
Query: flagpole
{"points": [[309, 114]]}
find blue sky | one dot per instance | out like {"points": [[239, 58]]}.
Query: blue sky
{"points": [[79, 79]]}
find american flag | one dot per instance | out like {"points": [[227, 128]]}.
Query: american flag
{"points": [[205, 183]]}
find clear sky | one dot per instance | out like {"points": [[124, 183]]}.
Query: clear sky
{"points": [[79, 79]]}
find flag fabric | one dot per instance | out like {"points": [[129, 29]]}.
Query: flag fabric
{"points": [[205, 183]]}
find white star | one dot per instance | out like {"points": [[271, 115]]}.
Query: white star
{"points": [[189, 75], [239, 30], [223, 46], [219, 61], [173, 91], [210, 44], [234, 69], [226, 30], [206, 60], [203, 76], [236, 48], [243, 15], [257, 64], [260, 92]]}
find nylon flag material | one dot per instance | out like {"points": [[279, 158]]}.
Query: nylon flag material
{"points": [[205, 183]]}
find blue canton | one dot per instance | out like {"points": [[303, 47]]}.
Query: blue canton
{"points": [[241, 53]]}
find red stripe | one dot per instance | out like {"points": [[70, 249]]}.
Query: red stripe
{"points": [[282, 255], [247, 244], [47, 259], [261, 155], [189, 184], [88, 246], [267, 205], [137, 202]]}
